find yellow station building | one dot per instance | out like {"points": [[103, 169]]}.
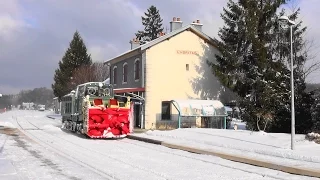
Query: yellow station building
{"points": [[172, 75]]}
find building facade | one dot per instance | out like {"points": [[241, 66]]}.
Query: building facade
{"points": [[173, 66]]}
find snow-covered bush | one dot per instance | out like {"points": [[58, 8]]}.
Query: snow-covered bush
{"points": [[313, 137]]}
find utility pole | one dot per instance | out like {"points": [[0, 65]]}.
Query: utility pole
{"points": [[286, 20]]}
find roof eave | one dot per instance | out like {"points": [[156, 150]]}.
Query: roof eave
{"points": [[121, 55], [162, 38], [200, 33], [167, 36]]}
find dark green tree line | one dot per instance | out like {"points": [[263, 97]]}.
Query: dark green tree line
{"points": [[40, 95]]}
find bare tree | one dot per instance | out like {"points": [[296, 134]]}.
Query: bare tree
{"points": [[101, 71], [96, 72], [265, 118], [312, 63], [82, 75], [310, 48]]}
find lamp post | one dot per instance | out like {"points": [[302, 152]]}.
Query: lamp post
{"points": [[286, 20]]}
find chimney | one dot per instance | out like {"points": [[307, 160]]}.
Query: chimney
{"points": [[175, 24], [197, 24], [134, 43]]}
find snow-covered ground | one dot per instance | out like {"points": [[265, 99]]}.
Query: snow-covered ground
{"points": [[265, 146], [47, 152]]}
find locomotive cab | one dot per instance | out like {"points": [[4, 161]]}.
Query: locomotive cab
{"points": [[98, 94]]}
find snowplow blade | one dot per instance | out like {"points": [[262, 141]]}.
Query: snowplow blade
{"points": [[109, 122]]}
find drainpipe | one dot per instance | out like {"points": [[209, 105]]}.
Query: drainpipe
{"points": [[143, 59]]}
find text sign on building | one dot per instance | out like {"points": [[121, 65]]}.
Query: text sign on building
{"points": [[187, 52]]}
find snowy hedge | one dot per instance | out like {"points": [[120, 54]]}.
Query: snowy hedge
{"points": [[313, 137]]}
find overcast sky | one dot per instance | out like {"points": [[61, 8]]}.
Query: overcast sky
{"points": [[34, 34]]}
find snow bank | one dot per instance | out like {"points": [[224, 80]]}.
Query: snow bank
{"points": [[262, 133], [256, 144], [313, 137], [6, 120], [54, 116], [241, 125], [7, 124]]}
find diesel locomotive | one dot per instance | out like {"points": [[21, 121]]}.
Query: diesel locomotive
{"points": [[92, 109]]}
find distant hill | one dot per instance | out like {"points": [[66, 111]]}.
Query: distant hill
{"points": [[312, 87], [38, 96]]}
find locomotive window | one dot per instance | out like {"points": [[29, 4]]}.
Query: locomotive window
{"points": [[93, 91], [104, 91]]}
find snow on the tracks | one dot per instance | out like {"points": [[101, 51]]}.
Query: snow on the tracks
{"points": [[6, 124], [119, 159]]}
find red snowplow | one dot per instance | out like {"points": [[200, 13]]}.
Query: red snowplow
{"points": [[109, 122]]}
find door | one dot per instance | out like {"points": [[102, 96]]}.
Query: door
{"points": [[137, 115]]}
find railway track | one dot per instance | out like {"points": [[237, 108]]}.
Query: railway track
{"points": [[91, 155], [63, 149], [87, 152]]}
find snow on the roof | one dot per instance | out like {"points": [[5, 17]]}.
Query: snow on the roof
{"points": [[228, 108], [191, 107], [107, 81], [194, 102]]}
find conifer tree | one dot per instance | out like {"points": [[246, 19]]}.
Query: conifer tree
{"points": [[75, 56], [315, 110], [152, 23], [254, 63], [246, 64]]}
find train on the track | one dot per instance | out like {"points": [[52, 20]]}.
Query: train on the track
{"points": [[94, 110]]}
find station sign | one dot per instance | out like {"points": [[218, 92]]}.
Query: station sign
{"points": [[187, 52]]}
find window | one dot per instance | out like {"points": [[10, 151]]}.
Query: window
{"points": [[187, 67], [137, 69], [125, 73], [166, 110], [114, 74]]}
